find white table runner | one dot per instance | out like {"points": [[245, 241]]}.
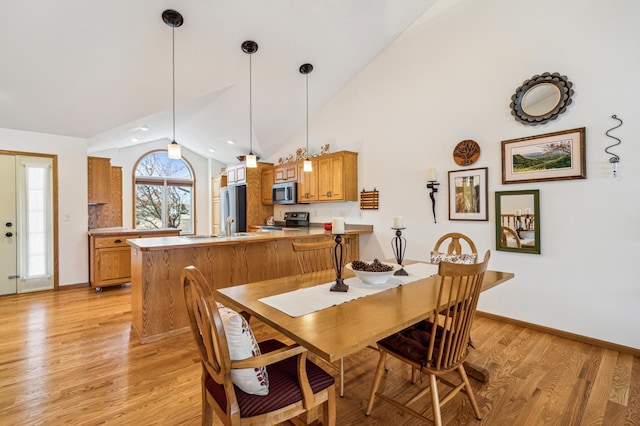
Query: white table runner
{"points": [[306, 300]]}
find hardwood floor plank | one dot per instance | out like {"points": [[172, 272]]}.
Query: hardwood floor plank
{"points": [[71, 357]]}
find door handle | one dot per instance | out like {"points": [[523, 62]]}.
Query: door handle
{"points": [[9, 234]]}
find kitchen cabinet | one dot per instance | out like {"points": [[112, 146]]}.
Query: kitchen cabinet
{"points": [[285, 173], [308, 183], [266, 183], [110, 255], [237, 174], [216, 221], [338, 176], [110, 214], [99, 180]]}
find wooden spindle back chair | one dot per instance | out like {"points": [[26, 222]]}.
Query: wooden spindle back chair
{"points": [[296, 385], [439, 346]]}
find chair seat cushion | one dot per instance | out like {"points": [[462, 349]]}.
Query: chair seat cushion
{"points": [[466, 258], [412, 342], [283, 385]]}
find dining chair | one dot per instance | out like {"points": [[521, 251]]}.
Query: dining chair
{"points": [[318, 256], [508, 233], [315, 256], [453, 245], [295, 384], [440, 346]]}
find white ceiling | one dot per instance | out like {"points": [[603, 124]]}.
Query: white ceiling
{"points": [[100, 69]]}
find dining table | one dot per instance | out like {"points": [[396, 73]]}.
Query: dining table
{"points": [[344, 328]]}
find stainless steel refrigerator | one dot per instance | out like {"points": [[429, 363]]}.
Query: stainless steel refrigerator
{"points": [[233, 203]]}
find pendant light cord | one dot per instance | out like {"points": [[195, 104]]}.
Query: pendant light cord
{"points": [[250, 110], [307, 79], [173, 73]]}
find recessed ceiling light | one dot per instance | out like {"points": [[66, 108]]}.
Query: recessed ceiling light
{"points": [[134, 140], [230, 142], [212, 150], [145, 128]]}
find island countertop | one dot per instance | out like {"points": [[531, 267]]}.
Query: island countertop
{"points": [[186, 241], [110, 232]]}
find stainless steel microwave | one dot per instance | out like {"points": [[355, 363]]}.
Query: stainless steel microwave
{"points": [[284, 193]]}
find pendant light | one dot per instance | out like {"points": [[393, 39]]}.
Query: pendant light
{"points": [[306, 69], [250, 47], [173, 19]]}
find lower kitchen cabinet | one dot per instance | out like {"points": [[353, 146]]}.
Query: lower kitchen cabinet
{"points": [[110, 255]]}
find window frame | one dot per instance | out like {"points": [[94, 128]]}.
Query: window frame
{"points": [[165, 182]]}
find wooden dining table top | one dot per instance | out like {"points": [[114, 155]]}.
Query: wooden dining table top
{"points": [[343, 329]]}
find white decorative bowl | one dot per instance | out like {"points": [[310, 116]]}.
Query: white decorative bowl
{"points": [[374, 278]]}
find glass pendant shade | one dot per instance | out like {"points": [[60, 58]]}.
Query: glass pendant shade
{"points": [[174, 151], [307, 167], [251, 161]]}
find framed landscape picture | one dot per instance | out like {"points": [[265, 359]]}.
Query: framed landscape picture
{"points": [[552, 156], [468, 194]]}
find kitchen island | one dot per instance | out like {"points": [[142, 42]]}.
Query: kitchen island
{"points": [[157, 305]]}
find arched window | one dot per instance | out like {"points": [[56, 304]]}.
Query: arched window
{"points": [[163, 189]]}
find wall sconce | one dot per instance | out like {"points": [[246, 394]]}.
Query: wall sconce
{"points": [[614, 160], [432, 184]]}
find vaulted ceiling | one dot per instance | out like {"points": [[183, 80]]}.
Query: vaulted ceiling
{"points": [[102, 69]]}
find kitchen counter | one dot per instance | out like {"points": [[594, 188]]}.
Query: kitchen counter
{"points": [[157, 306], [184, 241]]}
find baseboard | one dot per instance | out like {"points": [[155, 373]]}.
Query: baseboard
{"points": [[583, 339], [72, 286]]}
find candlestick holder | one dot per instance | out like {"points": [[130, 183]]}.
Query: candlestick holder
{"points": [[518, 224], [338, 260], [399, 245], [433, 186], [528, 223]]}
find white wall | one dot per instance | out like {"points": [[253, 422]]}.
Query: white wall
{"points": [[72, 196], [450, 77]]}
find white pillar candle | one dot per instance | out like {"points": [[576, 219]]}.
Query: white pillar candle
{"points": [[398, 222], [431, 174], [337, 225], [527, 211], [518, 211]]}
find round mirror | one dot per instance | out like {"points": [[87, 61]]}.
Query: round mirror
{"points": [[541, 98]]}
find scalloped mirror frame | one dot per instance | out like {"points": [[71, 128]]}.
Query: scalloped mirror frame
{"points": [[519, 110]]}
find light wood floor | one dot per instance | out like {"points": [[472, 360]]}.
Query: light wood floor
{"points": [[70, 357]]}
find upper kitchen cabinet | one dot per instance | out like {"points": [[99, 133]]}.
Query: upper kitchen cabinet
{"points": [[267, 183], [236, 174], [338, 176], [99, 180], [308, 183], [285, 173]]}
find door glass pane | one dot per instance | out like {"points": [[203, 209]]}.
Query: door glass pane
{"points": [[36, 222]]}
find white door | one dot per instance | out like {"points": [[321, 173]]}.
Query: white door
{"points": [[8, 240], [26, 211]]}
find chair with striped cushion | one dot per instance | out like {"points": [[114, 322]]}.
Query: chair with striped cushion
{"points": [[295, 384], [438, 347]]}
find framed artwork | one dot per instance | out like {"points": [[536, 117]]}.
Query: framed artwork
{"points": [[552, 156], [468, 194]]}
